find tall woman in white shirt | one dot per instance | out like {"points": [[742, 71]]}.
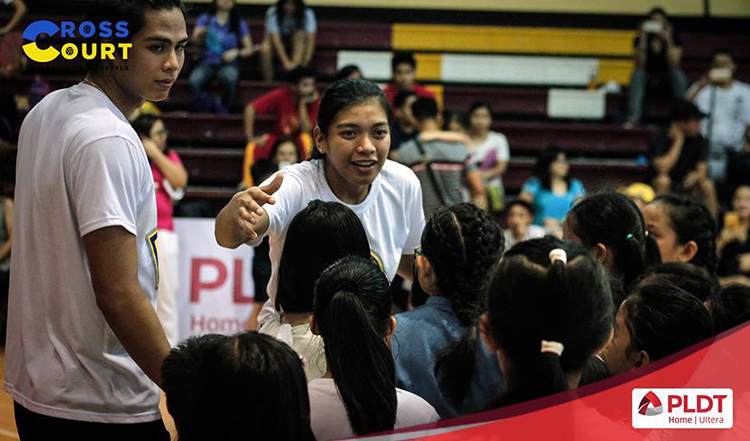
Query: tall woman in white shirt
{"points": [[350, 166], [358, 394]]}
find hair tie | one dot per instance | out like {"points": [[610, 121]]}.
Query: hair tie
{"points": [[558, 254], [628, 237], [552, 347]]}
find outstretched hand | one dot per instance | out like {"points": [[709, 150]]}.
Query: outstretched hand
{"points": [[249, 205]]}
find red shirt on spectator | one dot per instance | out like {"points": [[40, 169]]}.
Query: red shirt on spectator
{"points": [[282, 103], [422, 92]]}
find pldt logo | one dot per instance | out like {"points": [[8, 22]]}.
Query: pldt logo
{"points": [[683, 408], [69, 51], [653, 400]]}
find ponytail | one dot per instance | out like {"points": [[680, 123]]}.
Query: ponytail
{"points": [[352, 312]]}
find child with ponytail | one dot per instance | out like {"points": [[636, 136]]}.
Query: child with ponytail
{"points": [[549, 309], [358, 394]]}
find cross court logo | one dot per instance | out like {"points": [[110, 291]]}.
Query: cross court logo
{"points": [[71, 50]]}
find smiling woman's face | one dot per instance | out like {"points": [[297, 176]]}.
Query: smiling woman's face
{"points": [[356, 147]]}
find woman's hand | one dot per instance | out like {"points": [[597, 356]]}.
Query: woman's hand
{"points": [[246, 207], [230, 55], [150, 147]]}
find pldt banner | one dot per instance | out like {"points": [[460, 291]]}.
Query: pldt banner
{"points": [[216, 285]]}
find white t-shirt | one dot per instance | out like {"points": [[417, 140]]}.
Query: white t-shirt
{"points": [[532, 232], [391, 214], [731, 114], [81, 167], [486, 155], [329, 420], [307, 345]]}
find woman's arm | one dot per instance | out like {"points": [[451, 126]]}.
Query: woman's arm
{"points": [[18, 14], [243, 218]]}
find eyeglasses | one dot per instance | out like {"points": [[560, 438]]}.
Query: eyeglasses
{"points": [[163, 132]]}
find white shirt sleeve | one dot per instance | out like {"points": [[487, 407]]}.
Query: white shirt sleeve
{"points": [[416, 220], [501, 144], [105, 184], [288, 198]]}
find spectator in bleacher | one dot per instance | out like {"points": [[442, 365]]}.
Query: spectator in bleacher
{"points": [[684, 230], [12, 60], [519, 217], [284, 153], [442, 165], [290, 37], [404, 127], [170, 180], [551, 190], [658, 54], [358, 395], [738, 170], [611, 227], [734, 240], [351, 167], [6, 241], [233, 387], [82, 300], [349, 71], [453, 122], [549, 310], [678, 157], [333, 231], [657, 320], [404, 71], [490, 153], [730, 307], [432, 343], [226, 38], [726, 101]]}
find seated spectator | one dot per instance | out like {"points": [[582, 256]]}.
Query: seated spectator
{"points": [[12, 60], [611, 227], [657, 57], [284, 153], [490, 153], [453, 122], [404, 70], [730, 307], [170, 180], [349, 71], [519, 216], [460, 245], [678, 157], [533, 294], [442, 166], [358, 395], [734, 243], [727, 102], [404, 127], [684, 229], [226, 38], [295, 109], [290, 37], [221, 387], [693, 279], [333, 231], [656, 321], [551, 190]]}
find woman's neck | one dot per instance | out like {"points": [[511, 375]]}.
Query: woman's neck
{"points": [[478, 135], [222, 17], [346, 192], [520, 233]]}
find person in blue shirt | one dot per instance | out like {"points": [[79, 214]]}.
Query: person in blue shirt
{"points": [[290, 37], [551, 190], [226, 38], [432, 343]]}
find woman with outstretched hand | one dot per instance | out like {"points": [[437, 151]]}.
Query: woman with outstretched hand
{"points": [[349, 166]]}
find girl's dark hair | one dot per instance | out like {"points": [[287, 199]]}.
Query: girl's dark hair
{"points": [[462, 243], [143, 124], [614, 220], [346, 71], [664, 319], [352, 312], [595, 370], [332, 231], [478, 105], [133, 12], [531, 299], [282, 140], [693, 279], [692, 220], [209, 381], [730, 307], [546, 158], [343, 95], [234, 19], [299, 13]]}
